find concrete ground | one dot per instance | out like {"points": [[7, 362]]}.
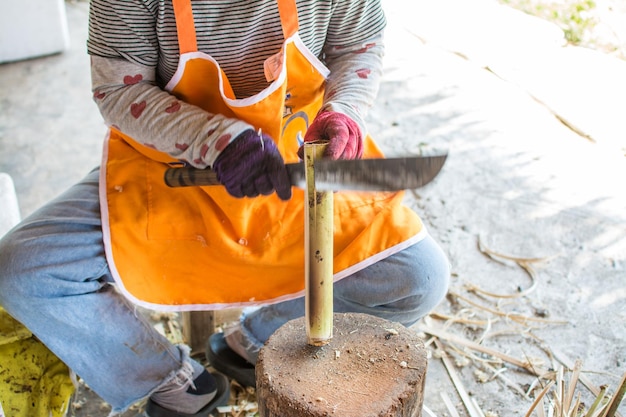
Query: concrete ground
{"points": [[536, 135]]}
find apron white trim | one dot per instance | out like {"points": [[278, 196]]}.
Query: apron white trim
{"points": [[319, 65], [106, 236], [275, 85], [106, 225]]}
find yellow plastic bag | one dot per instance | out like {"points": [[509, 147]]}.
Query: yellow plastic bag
{"points": [[33, 381]]}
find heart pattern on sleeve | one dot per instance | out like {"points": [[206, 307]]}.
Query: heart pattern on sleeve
{"points": [[136, 109], [132, 79], [173, 108], [363, 73]]}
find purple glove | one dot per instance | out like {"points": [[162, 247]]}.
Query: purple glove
{"points": [[251, 165], [344, 137]]}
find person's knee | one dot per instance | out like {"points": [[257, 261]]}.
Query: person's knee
{"points": [[402, 288], [429, 292], [430, 281], [10, 288]]}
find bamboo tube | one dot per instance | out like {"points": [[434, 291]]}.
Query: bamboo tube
{"points": [[318, 236]]}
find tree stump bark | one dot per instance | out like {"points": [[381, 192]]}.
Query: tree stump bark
{"points": [[371, 368]]}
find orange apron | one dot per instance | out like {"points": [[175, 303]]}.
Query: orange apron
{"points": [[199, 248]]}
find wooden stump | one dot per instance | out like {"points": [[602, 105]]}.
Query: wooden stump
{"points": [[371, 367]]}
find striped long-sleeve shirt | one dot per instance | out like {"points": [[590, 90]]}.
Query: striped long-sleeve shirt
{"points": [[134, 50]]}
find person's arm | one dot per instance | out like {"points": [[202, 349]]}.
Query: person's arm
{"points": [[354, 79], [354, 53], [124, 55], [129, 100]]}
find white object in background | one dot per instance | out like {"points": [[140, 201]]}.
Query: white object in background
{"points": [[32, 28], [9, 209]]}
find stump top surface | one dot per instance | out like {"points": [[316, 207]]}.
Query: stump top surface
{"points": [[371, 367]]}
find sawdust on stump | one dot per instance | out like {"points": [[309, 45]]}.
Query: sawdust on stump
{"points": [[371, 367]]}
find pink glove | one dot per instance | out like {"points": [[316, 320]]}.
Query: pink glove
{"points": [[251, 165], [342, 133]]}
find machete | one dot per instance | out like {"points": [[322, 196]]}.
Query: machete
{"points": [[389, 174]]}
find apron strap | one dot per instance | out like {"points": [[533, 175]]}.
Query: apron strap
{"points": [[185, 26], [288, 17]]}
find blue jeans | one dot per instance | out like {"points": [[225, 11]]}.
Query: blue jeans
{"points": [[54, 278]]}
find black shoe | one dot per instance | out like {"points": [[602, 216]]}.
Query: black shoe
{"points": [[221, 398], [227, 361]]}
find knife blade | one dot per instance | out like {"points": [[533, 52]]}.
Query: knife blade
{"points": [[388, 174]]}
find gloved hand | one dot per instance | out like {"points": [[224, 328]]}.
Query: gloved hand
{"points": [[343, 134], [251, 165]]}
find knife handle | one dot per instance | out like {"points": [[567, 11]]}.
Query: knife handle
{"points": [[186, 177], [189, 176]]}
